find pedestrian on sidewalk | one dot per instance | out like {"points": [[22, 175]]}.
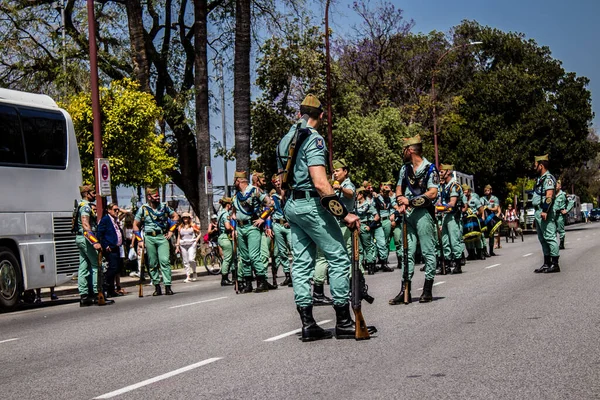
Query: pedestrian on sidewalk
{"points": [[111, 239], [187, 240]]}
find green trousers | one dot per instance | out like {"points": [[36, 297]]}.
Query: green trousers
{"points": [[283, 245], [368, 250], [157, 248], [88, 265], [452, 237], [265, 249], [226, 245], [546, 231], [321, 264], [382, 238], [421, 226], [560, 226], [249, 251], [311, 224], [397, 234]]}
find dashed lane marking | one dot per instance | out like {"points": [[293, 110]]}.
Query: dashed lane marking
{"points": [[290, 333], [492, 266], [8, 340], [157, 378], [198, 302], [578, 238], [527, 255]]}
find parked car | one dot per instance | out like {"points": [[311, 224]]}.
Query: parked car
{"points": [[595, 214]]}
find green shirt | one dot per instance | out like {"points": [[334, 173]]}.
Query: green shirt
{"points": [[385, 205], [85, 210], [420, 173], [155, 219], [366, 211], [542, 184], [560, 202], [474, 203], [222, 217], [349, 203], [490, 202], [450, 190], [312, 152], [248, 204]]}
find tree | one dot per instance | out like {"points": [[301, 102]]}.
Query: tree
{"points": [[241, 91], [137, 153]]}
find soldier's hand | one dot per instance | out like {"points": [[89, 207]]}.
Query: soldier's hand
{"points": [[269, 233], [402, 201], [97, 246], [393, 224], [352, 221], [259, 222], [336, 186], [168, 235], [544, 216], [286, 225], [402, 209]]}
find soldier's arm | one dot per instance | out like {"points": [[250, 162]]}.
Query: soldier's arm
{"points": [[347, 192]]}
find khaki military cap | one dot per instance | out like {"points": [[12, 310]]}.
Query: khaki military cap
{"points": [[151, 191], [466, 187], [311, 101], [239, 174], [258, 174], [87, 188], [272, 192], [446, 167], [341, 163], [413, 140], [487, 187], [361, 190], [541, 158], [388, 183], [226, 200]]}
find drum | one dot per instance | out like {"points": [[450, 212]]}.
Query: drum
{"points": [[471, 229], [492, 222]]}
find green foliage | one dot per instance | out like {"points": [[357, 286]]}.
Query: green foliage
{"points": [[137, 152]]}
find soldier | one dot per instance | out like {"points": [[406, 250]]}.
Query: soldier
{"points": [[247, 213], [452, 204], [492, 203], [544, 192], [266, 238], [384, 203], [224, 240], [369, 221], [282, 233], [473, 206], [560, 211], [88, 246], [416, 191], [159, 222], [312, 209]]}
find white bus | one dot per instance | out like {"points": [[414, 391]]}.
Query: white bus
{"points": [[40, 173]]}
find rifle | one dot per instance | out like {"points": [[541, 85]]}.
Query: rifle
{"points": [[438, 228], [101, 298], [141, 278], [273, 261], [234, 274], [405, 258], [362, 332]]}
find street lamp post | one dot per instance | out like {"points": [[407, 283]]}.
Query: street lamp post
{"points": [[433, 97]]}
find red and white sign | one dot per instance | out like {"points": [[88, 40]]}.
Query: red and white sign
{"points": [[103, 177], [208, 180]]}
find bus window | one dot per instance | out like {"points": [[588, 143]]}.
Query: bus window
{"points": [[11, 145], [45, 138]]}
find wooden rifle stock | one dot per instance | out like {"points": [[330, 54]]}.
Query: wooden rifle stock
{"points": [[405, 258], [101, 299], [140, 282], [362, 332], [234, 275], [438, 228]]}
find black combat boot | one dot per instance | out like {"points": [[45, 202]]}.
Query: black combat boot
{"points": [[422, 268], [562, 244], [157, 290], [273, 286], [168, 290], [248, 285], [261, 284], [426, 296], [385, 267], [456, 267], [399, 299], [287, 280], [225, 280], [86, 301], [463, 260], [241, 285], [481, 254], [345, 327], [545, 266], [319, 298], [553, 266], [310, 330], [492, 254], [485, 252], [472, 256], [275, 282]]}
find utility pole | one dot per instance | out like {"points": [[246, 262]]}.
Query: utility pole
{"points": [[223, 125]]}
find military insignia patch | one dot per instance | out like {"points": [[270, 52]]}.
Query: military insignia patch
{"points": [[336, 208], [548, 200], [319, 143], [418, 202], [435, 177]]}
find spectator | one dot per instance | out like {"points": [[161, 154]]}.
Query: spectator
{"points": [[212, 235], [111, 239], [38, 295], [187, 240]]}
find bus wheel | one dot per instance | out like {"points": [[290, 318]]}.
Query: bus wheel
{"points": [[10, 279]]}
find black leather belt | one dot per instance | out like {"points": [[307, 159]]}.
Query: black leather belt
{"points": [[244, 223], [281, 221], [153, 233], [303, 194]]}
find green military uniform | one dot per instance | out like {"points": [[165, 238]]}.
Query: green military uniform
{"points": [[384, 205], [282, 234], [366, 212], [474, 204], [546, 228], [156, 224], [265, 243], [560, 204], [225, 242], [490, 202], [451, 224], [88, 256]]}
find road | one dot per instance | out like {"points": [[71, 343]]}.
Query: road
{"points": [[496, 331]]}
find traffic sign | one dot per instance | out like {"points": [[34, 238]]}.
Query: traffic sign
{"points": [[103, 177], [208, 180]]}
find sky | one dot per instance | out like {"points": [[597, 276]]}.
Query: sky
{"points": [[569, 28]]}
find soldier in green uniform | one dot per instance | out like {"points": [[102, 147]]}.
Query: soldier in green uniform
{"points": [[282, 233], [544, 192], [258, 181], [369, 221], [452, 205], [159, 221], [473, 206], [561, 205], [416, 191], [312, 208], [384, 203], [88, 246], [224, 240], [247, 211], [492, 203]]}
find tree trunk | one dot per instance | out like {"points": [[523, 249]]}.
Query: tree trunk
{"points": [[241, 91], [138, 43], [202, 111]]}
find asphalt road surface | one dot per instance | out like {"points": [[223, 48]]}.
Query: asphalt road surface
{"points": [[496, 331]]}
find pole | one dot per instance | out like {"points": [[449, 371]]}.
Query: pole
{"points": [[95, 99], [223, 122], [64, 49], [328, 76], [435, 138]]}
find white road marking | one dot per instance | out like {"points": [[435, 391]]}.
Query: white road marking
{"points": [[290, 333], [578, 238], [157, 378], [435, 284], [8, 340], [492, 266], [198, 302], [527, 255]]}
